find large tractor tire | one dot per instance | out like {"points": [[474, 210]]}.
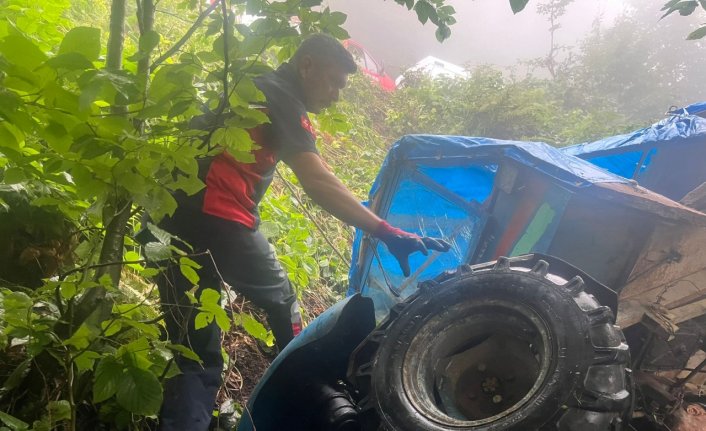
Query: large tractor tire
{"points": [[504, 346]]}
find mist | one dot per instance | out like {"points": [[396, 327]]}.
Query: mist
{"points": [[487, 32]]}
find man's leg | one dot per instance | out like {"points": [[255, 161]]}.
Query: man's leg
{"points": [[189, 397], [252, 269], [245, 260]]}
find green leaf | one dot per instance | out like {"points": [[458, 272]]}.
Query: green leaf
{"points": [[518, 5], [59, 410], [185, 352], [246, 92], [57, 137], [697, 34], [203, 319], [19, 50], [86, 360], [233, 139], [688, 8], [149, 41], [338, 18], [107, 379], [162, 235], [139, 391], [210, 309], [210, 297], [82, 337], [14, 176], [256, 329], [82, 40], [188, 262], [12, 422], [670, 4], [69, 61], [16, 377], [443, 33], [222, 319], [151, 331], [156, 251], [7, 138], [111, 327], [684, 7], [132, 256], [149, 272], [67, 290], [424, 11], [190, 274]]}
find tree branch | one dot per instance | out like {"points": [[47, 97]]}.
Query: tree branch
{"points": [[186, 36]]}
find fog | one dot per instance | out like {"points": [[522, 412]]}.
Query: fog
{"points": [[487, 32]]}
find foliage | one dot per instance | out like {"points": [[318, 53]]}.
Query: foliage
{"points": [[686, 8], [94, 129], [436, 11], [491, 105], [639, 67]]}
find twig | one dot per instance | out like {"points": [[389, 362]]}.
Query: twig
{"points": [[311, 217], [99, 265], [186, 36], [226, 56]]}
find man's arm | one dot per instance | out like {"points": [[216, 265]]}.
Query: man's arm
{"points": [[326, 190]]}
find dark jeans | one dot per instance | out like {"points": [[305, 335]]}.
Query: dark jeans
{"points": [[246, 261]]}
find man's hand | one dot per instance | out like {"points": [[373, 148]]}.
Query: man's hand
{"points": [[401, 244]]}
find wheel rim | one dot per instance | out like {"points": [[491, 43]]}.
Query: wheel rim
{"points": [[480, 368]]}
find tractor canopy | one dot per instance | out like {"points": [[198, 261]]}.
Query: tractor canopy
{"points": [[492, 198], [666, 157]]}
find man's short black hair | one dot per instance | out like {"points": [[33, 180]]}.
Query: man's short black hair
{"points": [[323, 49]]}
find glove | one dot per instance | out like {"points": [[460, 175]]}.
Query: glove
{"points": [[401, 244]]}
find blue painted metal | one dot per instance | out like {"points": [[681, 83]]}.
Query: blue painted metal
{"points": [[319, 353]]}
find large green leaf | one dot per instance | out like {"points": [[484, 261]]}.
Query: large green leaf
{"points": [[518, 5], [157, 251], [107, 378], [139, 391], [7, 138], [82, 40], [12, 422], [697, 34], [19, 50], [234, 139], [424, 11]]}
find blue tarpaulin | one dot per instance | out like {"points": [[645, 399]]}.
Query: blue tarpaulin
{"points": [[666, 157], [435, 186], [693, 109]]}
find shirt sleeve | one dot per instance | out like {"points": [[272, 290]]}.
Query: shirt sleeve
{"points": [[291, 131]]}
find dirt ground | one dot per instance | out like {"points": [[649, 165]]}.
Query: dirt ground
{"points": [[249, 358]]}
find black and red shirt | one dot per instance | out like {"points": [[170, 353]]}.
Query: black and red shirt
{"points": [[234, 188]]}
